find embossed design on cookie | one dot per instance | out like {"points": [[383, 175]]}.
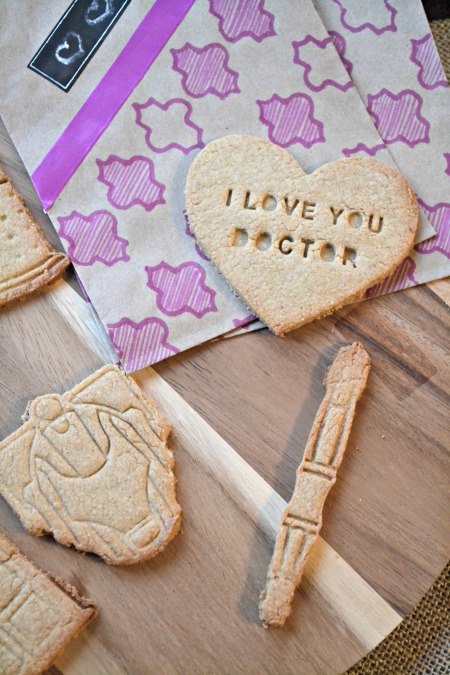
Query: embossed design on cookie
{"points": [[161, 120], [352, 16], [27, 260], [191, 234], [398, 117], [38, 615], [403, 277], [243, 18], [316, 81], [362, 147], [181, 289], [439, 217], [205, 70], [291, 120], [92, 468], [93, 238], [302, 518], [425, 55], [140, 344], [131, 182], [340, 45]]}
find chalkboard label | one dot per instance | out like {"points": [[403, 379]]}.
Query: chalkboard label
{"points": [[76, 37]]}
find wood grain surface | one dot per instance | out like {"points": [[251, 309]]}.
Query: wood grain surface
{"points": [[241, 411]]}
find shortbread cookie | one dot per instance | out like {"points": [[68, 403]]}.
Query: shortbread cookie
{"points": [[92, 468], [302, 519], [38, 615], [27, 260], [296, 247]]}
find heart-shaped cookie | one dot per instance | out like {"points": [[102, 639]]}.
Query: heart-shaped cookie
{"points": [[296, 247]]}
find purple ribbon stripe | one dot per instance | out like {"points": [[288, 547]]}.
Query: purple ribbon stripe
{"points": [[81, 134]]}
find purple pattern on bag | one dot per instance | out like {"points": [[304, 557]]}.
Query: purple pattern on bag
{"points": [[341, 45], [93, 238], [82, 288], [131, 182], [291, 120], [425, 55], [181, 289], [237, 323], [357, 28], [439, 217], [403, 277], [398, 117], [140, 344], [242, 18], [191, 234], [205, 70], [447, 159], [362, 147], [183, 109], [308, 67]]}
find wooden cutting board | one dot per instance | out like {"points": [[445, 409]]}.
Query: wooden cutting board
{"points": [[241, 411]]}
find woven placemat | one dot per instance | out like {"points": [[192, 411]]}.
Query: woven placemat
{"points": [[441, 34], [420, 645]]}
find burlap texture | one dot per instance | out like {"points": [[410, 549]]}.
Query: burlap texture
{"points": [[420, 644], [441, 34]]}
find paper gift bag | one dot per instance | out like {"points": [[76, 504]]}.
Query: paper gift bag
{"points": [[389, 51], [109, 156]]}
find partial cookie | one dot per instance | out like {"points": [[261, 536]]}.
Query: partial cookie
{"points": [[27, 260], [296, 247], [302, 519], [38, 615], [92, 467]]}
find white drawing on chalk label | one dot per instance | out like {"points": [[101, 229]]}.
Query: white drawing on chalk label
{"points": [[67, 46], [93, 8]]}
